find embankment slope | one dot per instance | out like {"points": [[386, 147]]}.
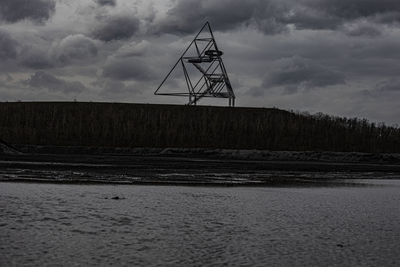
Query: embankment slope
{"points": [[173, 126]]}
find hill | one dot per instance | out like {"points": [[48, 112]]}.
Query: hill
{"points": [[161, 126]]}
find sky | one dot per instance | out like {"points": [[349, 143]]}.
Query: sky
{"points": [[339, 57]]}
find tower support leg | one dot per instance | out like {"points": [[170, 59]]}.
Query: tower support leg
{"points": [[231, 101]]}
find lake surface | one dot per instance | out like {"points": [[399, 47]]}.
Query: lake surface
{"points": [[71, 225]]}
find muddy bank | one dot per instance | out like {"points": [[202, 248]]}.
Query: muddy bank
{"points": [[164, 168], [234, 154]]}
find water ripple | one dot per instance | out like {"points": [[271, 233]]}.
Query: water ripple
{"points": [[50, 224]]}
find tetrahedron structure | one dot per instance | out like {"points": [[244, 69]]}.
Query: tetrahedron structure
{"points": [[203, 69]]}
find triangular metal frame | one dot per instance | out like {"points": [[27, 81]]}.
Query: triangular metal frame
{"points": [[214, 81]]}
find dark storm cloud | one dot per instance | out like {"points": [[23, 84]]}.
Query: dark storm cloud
{"points": [[274, 16], [75, 48], [331, 14], [106, 2], [35, 10], [117, 28], [72, 50], [299, 73], [128, 69], [43, 80], [187, 15], [304, 17], [35, 59], [8, 46], [363, 30], [353, 9]]}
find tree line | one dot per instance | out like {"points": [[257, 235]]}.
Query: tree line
{"points": [[145, 125]]}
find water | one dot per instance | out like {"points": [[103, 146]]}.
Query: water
{"points": [[70, 225]]}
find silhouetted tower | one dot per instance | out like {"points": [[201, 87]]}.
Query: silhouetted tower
{"points": [[204, 71]]}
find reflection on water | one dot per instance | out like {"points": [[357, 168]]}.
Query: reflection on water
{"points": [[48, 224]]}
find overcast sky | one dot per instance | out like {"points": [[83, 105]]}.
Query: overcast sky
{"points": [[340, 57]]}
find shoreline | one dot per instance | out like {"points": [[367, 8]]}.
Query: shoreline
{"points": [[210, 153], [178, 167]]}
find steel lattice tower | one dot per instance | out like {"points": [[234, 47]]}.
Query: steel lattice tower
{"points": [[202, 57]]}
